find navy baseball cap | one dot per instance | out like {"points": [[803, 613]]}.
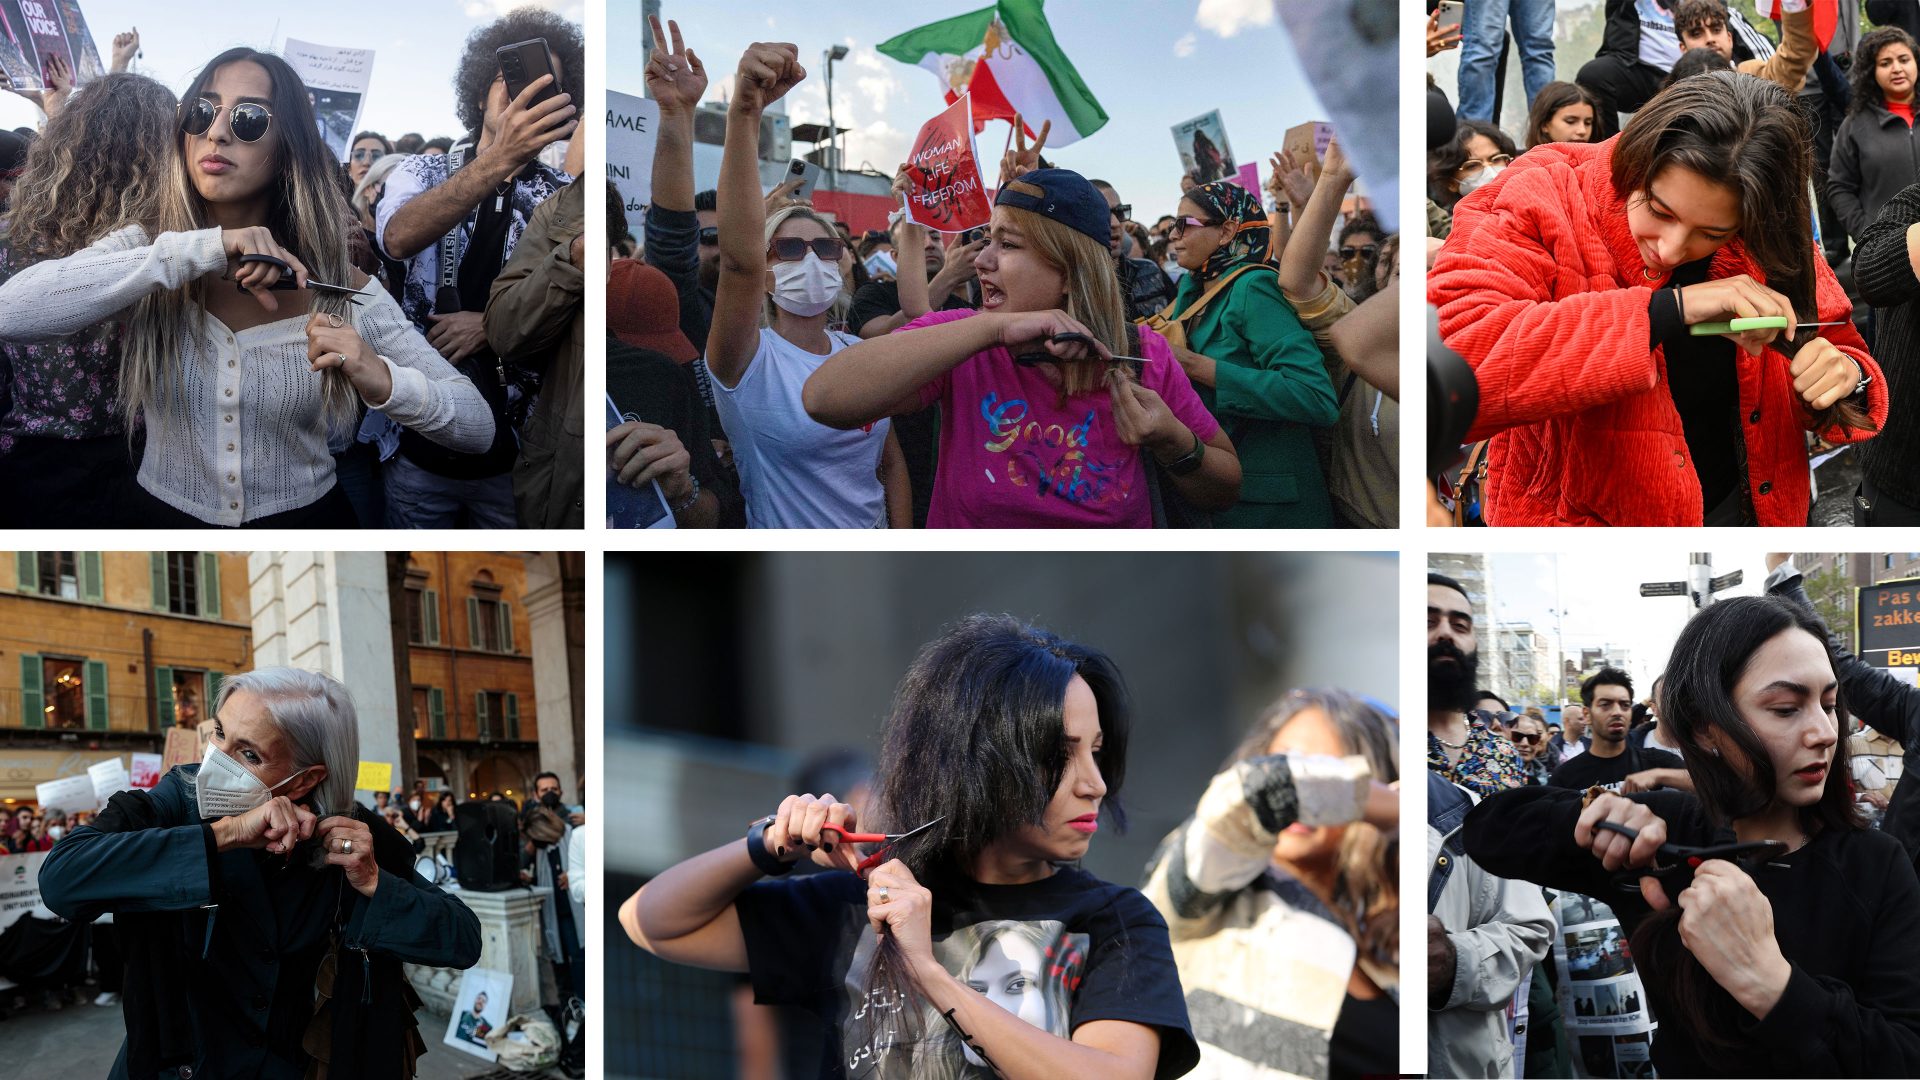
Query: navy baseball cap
{"points": [[1062, 195]]}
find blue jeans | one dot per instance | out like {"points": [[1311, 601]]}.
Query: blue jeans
{"points": [[418, 499], [1484, 23]]}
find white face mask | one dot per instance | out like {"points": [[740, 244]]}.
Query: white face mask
{"points": [[1481, 178], [56, 831], [227, 788], [414, 805], [807, 287]]}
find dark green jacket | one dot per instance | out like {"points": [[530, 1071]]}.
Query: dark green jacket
{"points": [[1270, 390]]}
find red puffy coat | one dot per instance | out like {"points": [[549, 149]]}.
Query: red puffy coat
{"points": [[1541, 288]]}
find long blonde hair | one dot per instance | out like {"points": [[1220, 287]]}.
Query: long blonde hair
{"points": [[104, 162], [307, 214], [1093, 287]]}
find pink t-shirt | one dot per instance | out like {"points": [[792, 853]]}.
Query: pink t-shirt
{"points": [[1012, 458]]}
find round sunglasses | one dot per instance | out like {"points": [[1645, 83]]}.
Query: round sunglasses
{"points": [[248, 120]]}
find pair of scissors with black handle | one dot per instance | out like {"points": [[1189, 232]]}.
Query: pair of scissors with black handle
{"points": [[288, 281], [1674, 864], [1029, 359]]}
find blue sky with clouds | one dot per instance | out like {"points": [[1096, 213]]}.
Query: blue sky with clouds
{"points": [[1150, 65], [416, 45]]}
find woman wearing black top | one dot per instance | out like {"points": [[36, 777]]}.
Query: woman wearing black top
{"points": [[1807, 965], [974, 949], [441, 820]]}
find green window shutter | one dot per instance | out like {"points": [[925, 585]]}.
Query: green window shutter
{"points": [[506, 627], [92, 587], [33, 701], [210, 584], [473, 622], [513, 715], [437, 712], [480, 714], [96, 680], [163, 696], [28, 564], [430, 609], [214, 679], [157, 568]]}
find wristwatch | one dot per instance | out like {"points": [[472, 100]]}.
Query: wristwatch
{"points": [[1866, 380], [1188, 462], [769, 864]]}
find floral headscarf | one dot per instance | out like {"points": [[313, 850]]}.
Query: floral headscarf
{"points": [[1223, 202]]}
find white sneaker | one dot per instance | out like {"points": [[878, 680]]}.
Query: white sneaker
{"points": [[107, 998]]}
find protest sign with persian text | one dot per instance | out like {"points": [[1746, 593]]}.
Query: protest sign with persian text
{"points": [[337, 79]]}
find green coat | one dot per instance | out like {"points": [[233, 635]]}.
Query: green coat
{"points": [[1270, 391]]}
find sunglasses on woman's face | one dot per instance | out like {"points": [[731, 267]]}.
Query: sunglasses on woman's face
{"points": [[1365, 251], [793, 249], [1472, 166], [369, 154], [248, 120], [1181, 225], [1528, 737]]}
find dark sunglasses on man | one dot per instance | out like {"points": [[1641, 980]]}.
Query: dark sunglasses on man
{"points": [[710, 236], [793, 249], [1123, 211], [248, 120], [1365, 251], [1528, 737]]}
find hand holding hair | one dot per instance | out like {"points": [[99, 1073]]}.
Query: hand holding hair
{"points": [[1726, 922]]}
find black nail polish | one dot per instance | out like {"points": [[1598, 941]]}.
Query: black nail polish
{"points": [[782, 852], [810, 847]]}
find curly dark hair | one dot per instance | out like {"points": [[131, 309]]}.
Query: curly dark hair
{"points": [[1866, 57], [478, 66]]}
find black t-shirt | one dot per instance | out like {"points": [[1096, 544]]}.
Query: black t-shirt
{"points": [[1705, 385], [1058, 953], [1589, 768]]}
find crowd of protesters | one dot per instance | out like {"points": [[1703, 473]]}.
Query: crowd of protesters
{"points": [[207, 319], [1689, 840], [774, 370], [1588, 286]]}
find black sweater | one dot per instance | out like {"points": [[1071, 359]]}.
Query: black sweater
{"points": [[1885, 276], [1875, 157], [1846, 912]]}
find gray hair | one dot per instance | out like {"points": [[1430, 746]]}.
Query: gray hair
{"points": [[316, 715]]}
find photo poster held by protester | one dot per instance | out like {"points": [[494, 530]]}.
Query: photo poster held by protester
{"points": [[19, 885], [31, 30], [337, 79], [479, 1009], [945, 191], [633, 123], [634, 508], [1205, 153], [1602, 1002]]}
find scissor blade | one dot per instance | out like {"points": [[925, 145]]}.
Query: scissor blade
{"points": [[915, 832]]}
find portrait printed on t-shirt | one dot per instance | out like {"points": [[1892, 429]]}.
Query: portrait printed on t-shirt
{"points": [[1030, 969]]}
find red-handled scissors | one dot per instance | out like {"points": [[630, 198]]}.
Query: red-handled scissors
{"points": [[886, 840]]}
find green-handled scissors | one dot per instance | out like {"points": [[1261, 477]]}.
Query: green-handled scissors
{"points": [[1758, 322]]}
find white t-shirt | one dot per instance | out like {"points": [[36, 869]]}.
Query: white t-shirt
{"points": [[796, 473]]}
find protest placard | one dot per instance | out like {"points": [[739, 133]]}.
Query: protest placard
{"points": [[33, 30], [337, 79], [109, 776], [479, 1008], [69, 793], [146, 770], [632, 125], [1205, 153], [184, 746], [945, 190], [1309, 140], [375, 776], [1248, 178], [19, 885]]}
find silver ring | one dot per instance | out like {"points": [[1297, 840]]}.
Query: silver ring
{"points": [[346, 847], [885, 897], [343, 359]]}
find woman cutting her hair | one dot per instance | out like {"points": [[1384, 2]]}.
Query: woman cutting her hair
{"points": [[244, 391], [1802, 960], [265, 917], [1573, 283], [1008, 743]]}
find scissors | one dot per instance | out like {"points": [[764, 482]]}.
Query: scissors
{"points": [[1758, 322], [885, 840], [287, 280], [1674, 864], [1029, 359]]}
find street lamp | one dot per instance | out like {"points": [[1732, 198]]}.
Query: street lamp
{"points": [[838, 52]]}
